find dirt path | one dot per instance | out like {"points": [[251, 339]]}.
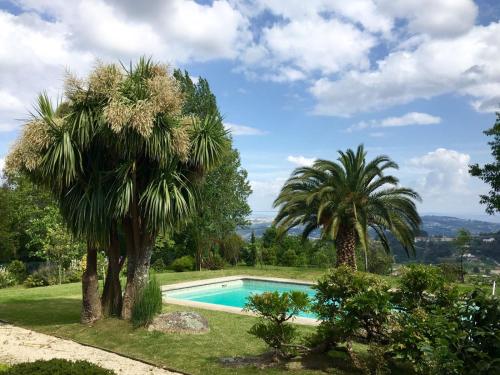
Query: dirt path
{"points": [[22, 345]]}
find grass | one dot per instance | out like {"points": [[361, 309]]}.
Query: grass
{"points": [[55, 310]]}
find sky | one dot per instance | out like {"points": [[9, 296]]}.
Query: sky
{"points": [[418, 80]]}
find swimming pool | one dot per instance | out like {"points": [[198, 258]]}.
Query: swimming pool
{"points": [[231, 292]]}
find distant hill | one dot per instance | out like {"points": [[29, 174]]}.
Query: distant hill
{"points": [[433, 225], [448, 226]]}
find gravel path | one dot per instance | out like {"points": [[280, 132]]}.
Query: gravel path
{"points": [[22, 345]]}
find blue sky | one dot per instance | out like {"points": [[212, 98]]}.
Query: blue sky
{"points": [[418, 80]]}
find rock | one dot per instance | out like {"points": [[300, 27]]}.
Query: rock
{"points": [[180, 322]]}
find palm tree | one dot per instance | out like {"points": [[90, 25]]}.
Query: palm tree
{"points": [[125, 165], [347, 197]]}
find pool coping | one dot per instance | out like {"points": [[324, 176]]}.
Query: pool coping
{"points": [[230, 309]]}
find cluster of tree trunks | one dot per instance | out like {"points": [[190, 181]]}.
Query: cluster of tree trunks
{"points": [[114, 302]]}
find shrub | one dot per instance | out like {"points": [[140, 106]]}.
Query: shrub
{"points": [[450, 271], [275, 310], [479, 320], [269, 256], [214, 261], [74, 272], [289, 258], [458, 337], [43, 276], [18, 270], [351, 304], [417, 283], [6, 278], [158, 265], [148, 304], [321, 259], [185, 263], [57, 367]]}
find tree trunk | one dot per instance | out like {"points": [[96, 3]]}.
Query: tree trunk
{"points": [[112, 292], [139, 251], [137, 277], [91, 305], [345, 244]]}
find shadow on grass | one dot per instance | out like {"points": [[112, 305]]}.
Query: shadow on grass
{"points": [[43, 312]]}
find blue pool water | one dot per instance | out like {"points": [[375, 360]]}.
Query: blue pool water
{"points": [[235, 293]]}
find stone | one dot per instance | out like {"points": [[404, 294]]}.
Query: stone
{"points": [[180, 322]]}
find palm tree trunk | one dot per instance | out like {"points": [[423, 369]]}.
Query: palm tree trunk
{"points": [[112, 292], [91, 306], [345, 244]]}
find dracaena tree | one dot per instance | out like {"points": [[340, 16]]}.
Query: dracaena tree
{"points": [[124, 163], [345, 198]]}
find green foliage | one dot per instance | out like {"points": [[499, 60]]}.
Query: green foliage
{"points": [[158, 265], [379, 261], [43, 276], [222, 205], [418, 283], [6, 278], [348, 302], [214, 261], [18, 270], [57, 367], [461, 337], [422, 339], [289, 258], [275, 310], [51, 241], [20, 203], [451, 271], [345, 198], [490, 173], [148, 304], [185, 263]]}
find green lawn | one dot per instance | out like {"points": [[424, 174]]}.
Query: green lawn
{"points": [[55, 310]]}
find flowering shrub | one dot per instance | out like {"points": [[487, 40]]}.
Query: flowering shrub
{"points": [[6, 278]]}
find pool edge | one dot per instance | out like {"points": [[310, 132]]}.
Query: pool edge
{"points": [[230, 309]]}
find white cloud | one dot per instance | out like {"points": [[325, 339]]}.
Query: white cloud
{"points": [[177, 30], [301, 161], [325, 45], [8, 127], [442, 171], [9, 102], [412, 118], [442, 18], [466, 65], [264, 192], [237, 130], [409, 119], [441, 177]]}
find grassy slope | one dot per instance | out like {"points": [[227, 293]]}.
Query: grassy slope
{"points": [[55, 310]]}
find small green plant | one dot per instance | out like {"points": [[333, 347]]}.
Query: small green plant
{"points": [[6, 278], [185, 263], [18, 270], [57, 367], [148, 304], [275, 310]]}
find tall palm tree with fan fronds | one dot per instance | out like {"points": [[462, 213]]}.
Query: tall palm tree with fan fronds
{"points": [[124, 163], [345, 198]]}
